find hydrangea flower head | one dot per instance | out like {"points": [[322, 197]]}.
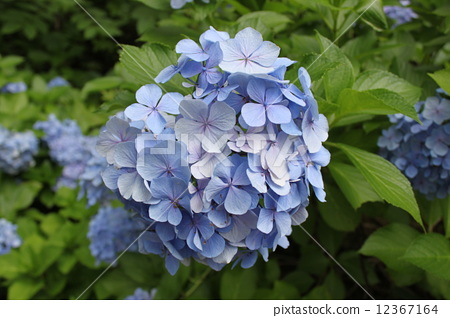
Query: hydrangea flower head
{"points": [[14, 88], [227, 173], [8, 237], [421, 152], [17, 150]]}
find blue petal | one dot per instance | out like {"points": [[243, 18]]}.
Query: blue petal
{"points": [[237, 201], [214, 246], [172, 264], [170, 103], [165, 231], [283, 223], [219, 217], [110, 176], [192, 50], [148, 95], [265, 220], [222, 116], [254, 114], [137, 112], [160, 211], [125, 155], [249, 259], [155, 122]]}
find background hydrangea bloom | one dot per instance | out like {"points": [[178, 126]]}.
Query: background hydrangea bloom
{"points": [[8, 237], [232, 177], [422, 152], [141, 294], [13, 88], [57, 82], [77, 154], [17, 150], [400, 14], [112, 231], [178, 4]]}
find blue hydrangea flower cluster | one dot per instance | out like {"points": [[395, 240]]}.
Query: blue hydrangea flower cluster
{"points": [[421, 152], [111, 231], [223, 174], [76, 153], [178, 4], [17, 150], [8, 237], [57, 81], [14, 88], [400, 14], [140, 294]]}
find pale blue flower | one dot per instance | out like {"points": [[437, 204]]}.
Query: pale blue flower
{"points": [[204, 123], [165, 159], [150, 104], [248, 53], [268, 100], [228, 186], [173, 196], [437, 110]]}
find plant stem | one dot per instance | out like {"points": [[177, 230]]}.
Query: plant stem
{"points": [[197, 284]]}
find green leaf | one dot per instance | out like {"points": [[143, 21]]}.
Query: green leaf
{"points": [[17, 196], [144, 64], [387, 181], [375, 101], [283, 290], [52, 223], [66, 262], [442, 78], [352, 183], [340, 77], [319, 65], [24, 288], [273, 20], [431, 252], [238, 284], [337, 213], [100, 84], [389, 244], [157, 4], [374, 79], [373, 15], [48, 255]]}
